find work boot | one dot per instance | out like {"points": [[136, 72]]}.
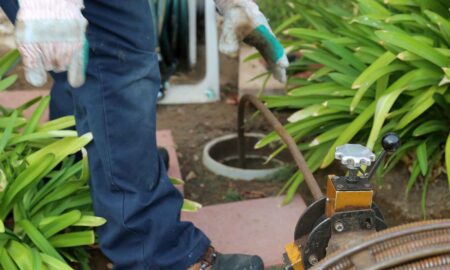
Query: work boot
{"points": [[213, 260], [237, 262]]}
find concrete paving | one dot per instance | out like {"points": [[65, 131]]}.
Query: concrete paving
{"points": [[13, 99], [259, 227], [249, 70]]}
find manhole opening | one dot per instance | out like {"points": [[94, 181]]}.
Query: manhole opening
{"points": [[221, 157]]}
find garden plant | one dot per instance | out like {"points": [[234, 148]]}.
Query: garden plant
{"points": [[365, 68], [45, 207]]}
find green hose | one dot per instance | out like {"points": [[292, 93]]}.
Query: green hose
{"points": [[171, 28]]}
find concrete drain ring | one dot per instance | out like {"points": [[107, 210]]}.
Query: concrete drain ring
{"points": [[220, 156]]}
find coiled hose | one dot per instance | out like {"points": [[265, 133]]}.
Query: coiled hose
{"points": [[415, 246]]}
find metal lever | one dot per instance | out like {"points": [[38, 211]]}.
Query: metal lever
{"points": [[390, 143]]}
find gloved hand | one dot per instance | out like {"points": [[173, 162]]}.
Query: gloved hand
{"points": [[243, 21], [50, 36]]}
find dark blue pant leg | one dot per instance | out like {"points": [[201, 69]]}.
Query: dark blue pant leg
{"points": [[61, 102], [129, 184], [118, 105], [10, 8]]}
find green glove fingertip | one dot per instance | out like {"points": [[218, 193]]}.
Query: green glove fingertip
{"points": [[266, 43]]}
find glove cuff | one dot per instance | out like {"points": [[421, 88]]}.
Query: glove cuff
{"points": [[224, 5], [250, 8], [50, 9]]}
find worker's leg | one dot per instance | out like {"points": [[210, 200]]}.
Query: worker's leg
{"points": [[118, 104], [10, 8], [61, 102]]}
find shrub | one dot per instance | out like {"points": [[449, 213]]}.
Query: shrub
{"points": [[377, 66]]}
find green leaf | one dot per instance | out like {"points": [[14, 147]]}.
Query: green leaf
{"points": [[176, 181], [41, 136], [37, 261], [85, 175], [8, 132], [191, 206], [21, 254], [6, 261], [30, 175], [73, 239], [447, 158], [54, 264], [349, 133], [61, 149], [422, 105], [373, 7], [50, 227], [37, 115], [422, 157], [346, 55], [408, 43], [286, 24], [413, 178], [430, 127], [7, 82], [385, 103], [329, 61], [364, 80], [58, 193], [328, 88], [90, 221], [39, 239], [309, 34], [8, 61], [374, 76], [5, 122], [311, 111], [58, 124], [303, 127], [328, 135]]}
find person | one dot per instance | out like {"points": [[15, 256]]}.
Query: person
{"points": [[108, 72]]}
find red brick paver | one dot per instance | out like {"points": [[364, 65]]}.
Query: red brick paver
{"points": [[15, 98], [259, 227]]}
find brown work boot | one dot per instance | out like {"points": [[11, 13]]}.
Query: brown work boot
{"points": [[213, 260]]}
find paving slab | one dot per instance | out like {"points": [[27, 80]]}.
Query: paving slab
{"points": [[15, 98], [259, 227], [249, 70], [164, 139]]}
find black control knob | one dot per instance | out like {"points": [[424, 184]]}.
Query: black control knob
{"points": [[390, 142]]}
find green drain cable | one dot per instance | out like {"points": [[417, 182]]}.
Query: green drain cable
{"points": [[171, 28]]}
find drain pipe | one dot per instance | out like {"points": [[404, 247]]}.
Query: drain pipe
{"points": [[285, 137]]}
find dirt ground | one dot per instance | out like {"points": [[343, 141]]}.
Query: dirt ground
{"points": [[195, 125]]}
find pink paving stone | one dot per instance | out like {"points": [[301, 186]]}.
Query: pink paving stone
{"points": [[164, 139], [15, 98], [259, 227]]}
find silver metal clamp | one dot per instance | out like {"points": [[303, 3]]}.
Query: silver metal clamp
{"points": [[354, 156]]}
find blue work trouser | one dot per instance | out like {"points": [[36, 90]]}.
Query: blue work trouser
{"points": [[117, 104]]}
